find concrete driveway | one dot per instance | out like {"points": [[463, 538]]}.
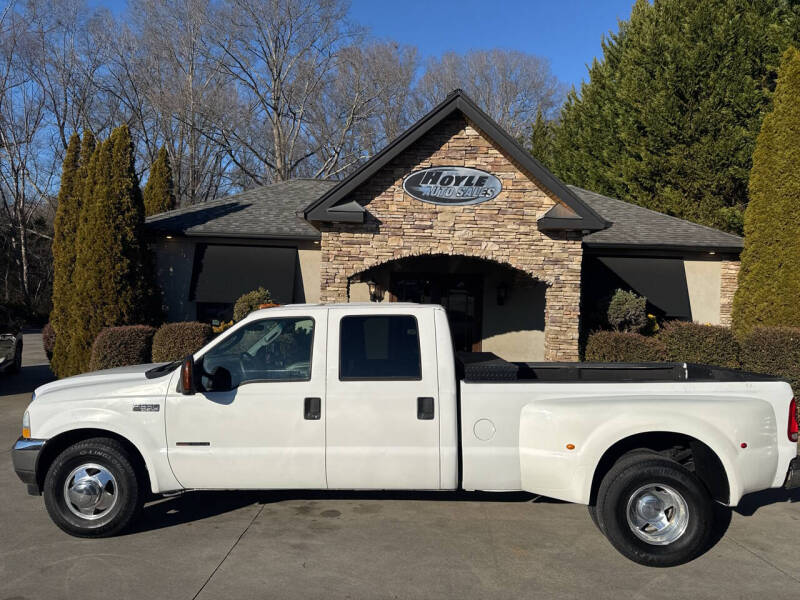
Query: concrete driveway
{"points": [[331, 545]]}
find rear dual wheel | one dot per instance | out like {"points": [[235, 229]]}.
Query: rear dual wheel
{"points": [[653, 510]]}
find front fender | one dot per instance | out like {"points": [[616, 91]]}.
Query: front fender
{"points": [[144, 437], [593, 425]]}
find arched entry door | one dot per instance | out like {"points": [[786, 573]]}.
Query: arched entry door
{"points": [[491, 306]]}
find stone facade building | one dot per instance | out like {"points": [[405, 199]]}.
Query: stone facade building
{"points": [[453, 212]]}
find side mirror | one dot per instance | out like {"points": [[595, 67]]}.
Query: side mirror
{"points": [[186, 385]]}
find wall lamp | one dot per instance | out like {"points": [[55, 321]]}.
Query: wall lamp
{"points": [[375, 291]]}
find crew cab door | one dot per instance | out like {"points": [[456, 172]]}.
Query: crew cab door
{"points": [[257, 419], [382, 409]]}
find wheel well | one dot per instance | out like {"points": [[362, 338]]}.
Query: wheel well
{"points": [[686, 450], [58, 444]]}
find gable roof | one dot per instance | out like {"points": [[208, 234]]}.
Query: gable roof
{"points": [[269, 211], [328, 208], [635, 227]]}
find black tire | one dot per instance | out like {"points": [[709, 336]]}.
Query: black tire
{"points": [[627, 457], [16, 366], [127, 489], [630, 474], [595, 519]]}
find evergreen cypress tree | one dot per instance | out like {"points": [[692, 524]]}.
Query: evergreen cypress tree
{"points": [[669, 116], [65, 228], [159, 195], [113, 276], [769, 280]]}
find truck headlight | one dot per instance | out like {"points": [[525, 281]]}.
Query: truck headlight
{"points": [[26, 425]]}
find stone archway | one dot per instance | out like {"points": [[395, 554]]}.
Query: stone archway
{"points": [[492, 307], [561, 302]]}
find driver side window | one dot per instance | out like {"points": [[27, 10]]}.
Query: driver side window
{"points": [[267, 350]]}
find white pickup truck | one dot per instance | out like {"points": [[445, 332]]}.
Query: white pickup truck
{"points": [[372, 397]]}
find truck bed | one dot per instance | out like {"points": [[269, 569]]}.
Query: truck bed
{"points": [[485, 367]]}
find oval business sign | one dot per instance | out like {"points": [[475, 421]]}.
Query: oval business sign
{"points": [[452, 185]]}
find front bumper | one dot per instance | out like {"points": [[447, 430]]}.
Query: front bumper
{"points": [[25, 455], [793, 475]]}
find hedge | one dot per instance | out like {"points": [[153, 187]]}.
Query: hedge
{"points": [[249, 302], [173, 341], [775, 351], [121, 346], [48, 340], [707, 344], [614, 346]]}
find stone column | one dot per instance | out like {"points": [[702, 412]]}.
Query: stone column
{"points": [[562, 320], [729, 281]]}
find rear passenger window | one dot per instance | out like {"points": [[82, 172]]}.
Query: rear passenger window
{"points": [[379, 347]]}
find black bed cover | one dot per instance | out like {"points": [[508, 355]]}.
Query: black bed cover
{"points": [[488, 367]]}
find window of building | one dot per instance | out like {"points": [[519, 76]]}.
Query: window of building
{"points": [[379, 347]]}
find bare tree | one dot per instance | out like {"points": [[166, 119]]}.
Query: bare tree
{"points": [[64, 61], [509, 85], [26, 165], [365, 104], [280, 54]]}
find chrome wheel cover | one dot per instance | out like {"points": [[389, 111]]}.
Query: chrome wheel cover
{"points": [[657, 514], [90, 491]]}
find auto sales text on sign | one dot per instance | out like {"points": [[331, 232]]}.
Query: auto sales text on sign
{"points": [[452, 185]]}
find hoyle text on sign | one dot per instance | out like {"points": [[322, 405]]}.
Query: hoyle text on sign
{"points": [[452, 185]]}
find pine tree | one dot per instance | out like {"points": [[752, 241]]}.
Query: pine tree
{"points": [[769, 285], [669, 116], [159, 195], [541, 140], [112, 274]]}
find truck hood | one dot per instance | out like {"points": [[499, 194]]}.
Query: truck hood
{"points": [[121, 381]]}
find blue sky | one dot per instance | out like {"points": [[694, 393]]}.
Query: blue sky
{"points": [[568, 32]]}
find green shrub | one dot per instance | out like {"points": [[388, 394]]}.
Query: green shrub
{"points": [[774, 351], [48, 340], [249, 302], [706, 344], [627, 311], [121, 346], [616, 346], [173, 341]]}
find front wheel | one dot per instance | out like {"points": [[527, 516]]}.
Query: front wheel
{"points": [[654, 511], [91, 489]]}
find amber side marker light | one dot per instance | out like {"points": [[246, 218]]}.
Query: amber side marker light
{"points": [[793, 427], [26, 425], [570, 446]]}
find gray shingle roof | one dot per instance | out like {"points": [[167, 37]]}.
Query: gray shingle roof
{"points": [[633, 225], [268, 211]]}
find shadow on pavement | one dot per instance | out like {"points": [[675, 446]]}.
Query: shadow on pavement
{"points": [[27, 380], [749, 504], [195, 506]]}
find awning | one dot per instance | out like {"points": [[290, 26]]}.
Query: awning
{"points": [[223, 273], [661, 280]]}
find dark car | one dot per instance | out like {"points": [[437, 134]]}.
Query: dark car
{"points": [[10, 342]]}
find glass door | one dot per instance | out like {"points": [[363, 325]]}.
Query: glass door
{"points": [[460, 295]]}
